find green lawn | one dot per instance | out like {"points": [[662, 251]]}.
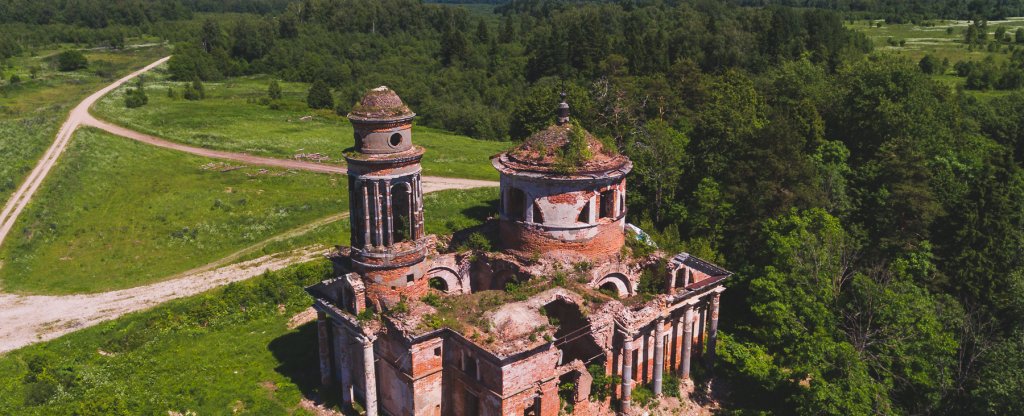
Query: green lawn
{"points": [[32, 110], [116, 213], [225, 351], [231, 118]]}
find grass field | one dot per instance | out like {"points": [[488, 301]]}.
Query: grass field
{"points": [[116, 213], [32, 110], [242, 357], [230, 118]]}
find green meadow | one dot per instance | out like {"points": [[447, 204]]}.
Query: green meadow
{"points": [[232, 118], [244, 357], [115, 213], [942, 39], [32, 110]]}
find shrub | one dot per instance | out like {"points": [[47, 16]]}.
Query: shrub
{"points": [[602, 384], [670, 385], [195, 91], [643, 396], [40, 392], [478, 242], [15, 79], [71, 60], [274, 90], [135, 97], [319, 96]]}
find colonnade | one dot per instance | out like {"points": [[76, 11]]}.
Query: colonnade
{"points": [[373, 219], [691, 328]]}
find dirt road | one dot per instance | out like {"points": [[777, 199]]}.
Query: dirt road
{"points": [[29, 319], [26, 319]]}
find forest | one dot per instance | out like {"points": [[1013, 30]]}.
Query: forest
{"points": [[874, 216]]}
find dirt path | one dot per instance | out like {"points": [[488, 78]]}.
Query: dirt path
{"points": [[430, 183], [26, 319]]}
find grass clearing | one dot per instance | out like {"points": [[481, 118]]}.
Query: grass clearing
{"points": [[231, 118], [116, 213], [942, 39]]}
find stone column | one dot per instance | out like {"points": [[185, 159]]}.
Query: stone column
{"points": [[377, 215], [370, 373], [627, 374], [390, 237], [687, 341], [713, 331], [341, 363], [366, 215], [701, 328], [659, 355], [323, 332]]}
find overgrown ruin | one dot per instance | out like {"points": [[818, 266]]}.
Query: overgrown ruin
{"points": [[568, 314]]}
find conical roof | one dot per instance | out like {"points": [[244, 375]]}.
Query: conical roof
{"points": [[380, 104]]}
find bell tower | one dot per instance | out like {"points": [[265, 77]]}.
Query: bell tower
{"points": [[386, 199]]}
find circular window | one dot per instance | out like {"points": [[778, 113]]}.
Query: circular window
{"points": [[396, 139]]}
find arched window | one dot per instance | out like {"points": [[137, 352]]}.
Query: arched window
{"points": [[680, 278], [538, 217], [584, 216], [437, 283], [516, 209], [401, 213]]}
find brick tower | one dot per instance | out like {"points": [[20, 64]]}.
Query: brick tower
{"points": [[386, 199]]}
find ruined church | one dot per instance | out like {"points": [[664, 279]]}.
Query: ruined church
{"points": [[559, 318]]}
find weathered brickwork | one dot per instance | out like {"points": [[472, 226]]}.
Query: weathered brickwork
{"points": [[374, 345]]}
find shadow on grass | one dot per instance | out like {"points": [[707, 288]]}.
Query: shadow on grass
{"points": [[296, 353], [483, 211]]}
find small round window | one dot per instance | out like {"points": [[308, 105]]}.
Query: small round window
{"points": [[396, 139]]}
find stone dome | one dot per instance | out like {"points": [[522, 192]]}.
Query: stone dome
{"points": [[380, 104], [563, 149]]}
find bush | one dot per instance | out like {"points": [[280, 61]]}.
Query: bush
{"points": [[135, 97], [319, 96], [195, 91], [274, 90], [643, 396], [478, 242], [15, 79], [40, 392], [602, 384], [71, 60]]}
